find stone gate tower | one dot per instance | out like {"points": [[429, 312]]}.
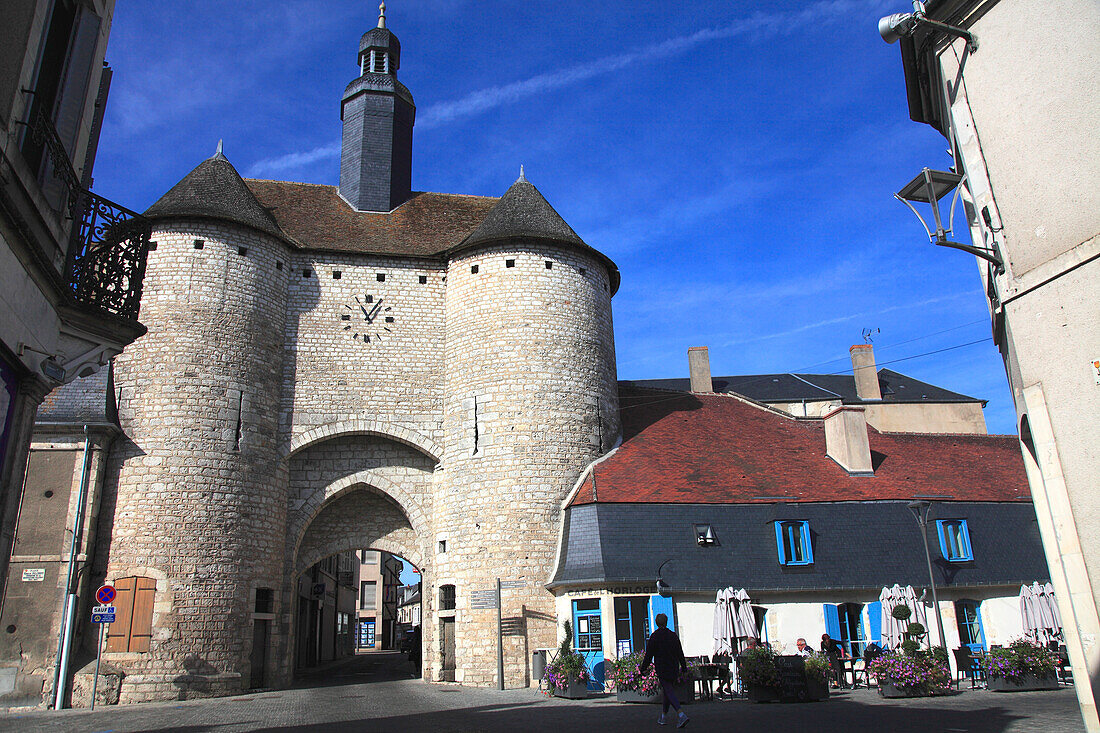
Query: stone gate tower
{"points": [[331, 369]]}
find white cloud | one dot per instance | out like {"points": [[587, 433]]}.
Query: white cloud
{"points": [[292, 161]]}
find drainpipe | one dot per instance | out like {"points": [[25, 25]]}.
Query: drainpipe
{"points": [[65, 641]]}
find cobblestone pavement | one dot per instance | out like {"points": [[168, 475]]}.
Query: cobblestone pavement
{"points": [[374, 692]]}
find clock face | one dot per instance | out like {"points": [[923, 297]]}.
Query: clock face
{"points": [[367, 319]]}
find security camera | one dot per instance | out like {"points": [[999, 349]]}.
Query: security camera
{"points": [[893, 27]]}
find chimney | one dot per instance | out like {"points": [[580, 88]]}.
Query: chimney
{"points": [[863, 366], [699, 366], [846, 440]]}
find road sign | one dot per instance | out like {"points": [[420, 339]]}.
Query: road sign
{"points": [[483, 599], [105, 594], [102, 614]]}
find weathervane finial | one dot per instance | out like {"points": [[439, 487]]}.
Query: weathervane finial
{"points": [[521, 176], [382, 15]]}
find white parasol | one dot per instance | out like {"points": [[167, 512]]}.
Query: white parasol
{"points": [[744, 620], [724, 633]]}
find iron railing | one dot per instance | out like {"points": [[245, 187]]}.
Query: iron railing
{"points": [[108, 243]]}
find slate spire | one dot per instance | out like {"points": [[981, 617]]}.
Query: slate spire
{"points": [[378, 114]]}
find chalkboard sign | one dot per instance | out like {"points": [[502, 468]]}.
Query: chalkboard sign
{"points": [[792, 677]]}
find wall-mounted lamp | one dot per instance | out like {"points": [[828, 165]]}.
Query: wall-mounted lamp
{"points": [[928, 188], [900, 25]]}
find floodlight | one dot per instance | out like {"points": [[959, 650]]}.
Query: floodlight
{"points": [[893, 27]]}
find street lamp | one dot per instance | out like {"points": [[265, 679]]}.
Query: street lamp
{"points": [[920, 511]]}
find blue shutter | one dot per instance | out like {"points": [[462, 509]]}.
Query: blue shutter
{"points": [[874, 621], [832, 621], [660, 604], [779, 543], [807, 545]]}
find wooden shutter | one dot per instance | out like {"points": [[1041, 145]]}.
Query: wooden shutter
{"points": [[141, 624], [118, 633]]}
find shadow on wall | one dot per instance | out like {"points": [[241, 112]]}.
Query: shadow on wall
{"points": [[195, 683]]}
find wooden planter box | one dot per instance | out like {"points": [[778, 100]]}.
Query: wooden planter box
{"points": [[575, 690], [685, 691], [1027, 683], [816, 690]]}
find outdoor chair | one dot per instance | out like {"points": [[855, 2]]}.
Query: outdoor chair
{"points": [[1064, 670], [966, 665]]}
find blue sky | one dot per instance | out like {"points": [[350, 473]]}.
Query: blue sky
{"points": [[736, 160]]}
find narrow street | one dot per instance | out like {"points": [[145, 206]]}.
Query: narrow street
{"points": [[375, 692]]}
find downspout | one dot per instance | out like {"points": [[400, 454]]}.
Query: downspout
{"points": [[65, 641]]}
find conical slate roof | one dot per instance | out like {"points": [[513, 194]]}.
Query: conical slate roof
{"points": [[522, 212], [214, 190]]}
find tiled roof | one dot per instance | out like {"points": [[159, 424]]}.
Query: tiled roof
{"points": [[895, 387], [83, 400], [427, 225], [721, 449]]}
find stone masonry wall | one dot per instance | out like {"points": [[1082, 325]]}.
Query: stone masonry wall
{"points": [[197, 497], [530, 400]]}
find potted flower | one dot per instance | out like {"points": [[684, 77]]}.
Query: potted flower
{"points": [[567, 675], [916, 674], [759, 675], [1022, 665], [633, 686], [818, 671]]}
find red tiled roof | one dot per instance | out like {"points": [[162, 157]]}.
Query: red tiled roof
{"points": [[720, 449], [316, 217]]}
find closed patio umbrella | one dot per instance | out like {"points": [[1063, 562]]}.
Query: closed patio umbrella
{"points": [[744, 620], [1052, 604], [724, 633], [1029, 614], [917, 607]]}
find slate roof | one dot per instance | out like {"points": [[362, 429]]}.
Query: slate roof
{"points": [[767, 388], [523, 213], [721, 449], [856, 545], [315, 217], [214, 190], [83, 400]]}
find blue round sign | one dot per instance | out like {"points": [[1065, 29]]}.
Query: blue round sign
{"points": [[105, 595]]}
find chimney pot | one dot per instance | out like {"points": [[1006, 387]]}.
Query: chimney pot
{"points": [[699, 367], [863, 367], [846, 440]]}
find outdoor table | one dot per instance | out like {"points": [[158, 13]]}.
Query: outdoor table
{"points": [[706, 674]]}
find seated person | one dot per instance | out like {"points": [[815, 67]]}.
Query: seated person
{"points": [[835, 652], [725, 678], [804, 649]]}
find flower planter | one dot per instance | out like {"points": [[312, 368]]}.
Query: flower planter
{"points": [[816, 690], [575, 690], [685, 692], [1026, 683], [761, 694], [892, 691]]}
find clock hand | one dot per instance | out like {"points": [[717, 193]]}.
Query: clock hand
{"points": [[374, 311]]}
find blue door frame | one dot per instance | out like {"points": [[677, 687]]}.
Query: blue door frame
{"points": [[588, 640], [971, 629]]}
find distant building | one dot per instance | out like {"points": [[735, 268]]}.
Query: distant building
{"points": [[326, 610], [1017, 103], [379, 582], [893, 402], [408, 608]]}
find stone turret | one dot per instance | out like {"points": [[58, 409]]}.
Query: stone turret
{"points": [[198, 505], [530, 399], [378, 114]]}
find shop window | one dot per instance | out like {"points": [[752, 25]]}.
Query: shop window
{"points": [[954, 540], [133, 626], [969, 617], [793, 542]]}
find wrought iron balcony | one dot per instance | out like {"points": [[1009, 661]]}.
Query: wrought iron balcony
{"points": [[108, 243], [107, 255]]}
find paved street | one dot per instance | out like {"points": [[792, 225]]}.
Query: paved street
{"points": [[374, 693]]}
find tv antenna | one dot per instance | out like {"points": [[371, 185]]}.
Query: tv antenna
{"points": [[868, 333]]}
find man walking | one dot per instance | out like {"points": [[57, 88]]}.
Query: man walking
{"points": [[664, 650]]}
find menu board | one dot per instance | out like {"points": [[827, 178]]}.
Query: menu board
{"points": [[792, 677]]}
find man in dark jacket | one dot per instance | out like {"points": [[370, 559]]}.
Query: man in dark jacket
{"points": [[664, 650]]}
